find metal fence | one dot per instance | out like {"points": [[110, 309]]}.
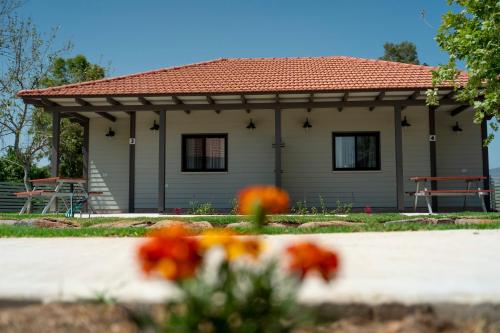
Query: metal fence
{"points": [[495, 196]]}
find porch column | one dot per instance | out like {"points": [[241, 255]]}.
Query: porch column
{"points": [[85, 153], [161, 162], [398, 137], [56, 132], [432, 152], [277, 147], [486, 161], [131, 164]]}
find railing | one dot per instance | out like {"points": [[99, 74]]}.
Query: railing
{"points": [[10, 203]]}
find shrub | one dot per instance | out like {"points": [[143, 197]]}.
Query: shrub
{"points": [[196, 208]]}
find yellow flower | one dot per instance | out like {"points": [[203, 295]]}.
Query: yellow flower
{"points": [[233, 246]]}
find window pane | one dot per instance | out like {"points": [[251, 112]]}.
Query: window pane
{"points": [[194, 153], [216, 151], [344, 152], [366, 151]]}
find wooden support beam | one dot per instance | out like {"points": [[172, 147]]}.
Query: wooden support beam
{"points": [[310, 100], [85, 153], [82, 102], [144, 101], [432, 153], [56, 133], [277, 147], [177, 101], [412, 97], [112, 101], [239, 106], [486, 161], [459, 110], [211, 101], [378, 98], [161, 162], [244, 101], [398, 137], [107, 116], [344, 99], [78, 117], [48, 103], [131, 163]]}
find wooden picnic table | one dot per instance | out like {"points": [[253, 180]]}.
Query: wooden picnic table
{"points": [[56, 184], [467, 191]]}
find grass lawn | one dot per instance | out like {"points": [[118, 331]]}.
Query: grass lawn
{"points": [[371, 223]]}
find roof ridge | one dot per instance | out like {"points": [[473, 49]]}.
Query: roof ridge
{"points": [[121, 77]]}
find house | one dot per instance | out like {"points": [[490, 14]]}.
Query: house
{"points": [[343, 128]]}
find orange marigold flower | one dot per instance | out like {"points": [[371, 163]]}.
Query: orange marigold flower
{"points": [[233, 246], [307, 257], [170, 252], [271, 199]]}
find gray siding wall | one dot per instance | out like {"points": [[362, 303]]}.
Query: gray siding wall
{"points": [[307, 156]]}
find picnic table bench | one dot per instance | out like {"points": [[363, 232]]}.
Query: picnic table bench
{"points": [[466, 192], [77, 191]]}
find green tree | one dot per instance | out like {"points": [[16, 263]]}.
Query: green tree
{"points": [[403, 52], [472, 35], [67, 71]]}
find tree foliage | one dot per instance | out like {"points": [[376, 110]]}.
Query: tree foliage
{"points": [[403, 52], [67, 71], [472, 35]]}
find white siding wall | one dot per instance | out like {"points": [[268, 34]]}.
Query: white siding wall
{"points": [[458, 153], [109, 163], [307, 156]]}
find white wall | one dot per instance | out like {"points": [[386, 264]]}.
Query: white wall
{"points": [[109, 164], [307, 156]]}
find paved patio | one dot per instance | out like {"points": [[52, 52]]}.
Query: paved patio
{"points": [[458, 266]]}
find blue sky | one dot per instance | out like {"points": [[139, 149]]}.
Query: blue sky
{"points": [[132, 36]]}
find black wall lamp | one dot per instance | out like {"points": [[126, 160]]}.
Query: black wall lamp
{"points": [[456, 127], [110, 133], [251, 125], [306, 124], [155, 126], [405, 123]]}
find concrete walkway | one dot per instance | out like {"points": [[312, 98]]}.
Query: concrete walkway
{"points": [[461, 266]]}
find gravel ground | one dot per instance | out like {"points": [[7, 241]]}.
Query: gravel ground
{"points": [[102, 318]]}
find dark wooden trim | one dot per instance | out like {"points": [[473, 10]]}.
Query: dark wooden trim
{"points": [[85, 153], [486, 161], [78, 117], [398, 141], [131, 165], [107, 116], [82, 102], [162, 162], [459, 110], [143, 101], [378, 98], [344, 99], [277, 148], [238, 106], [432, 154], [46, 102], [112, 101], [203, 136], [355, 135], [412, 97], [56, 133]]}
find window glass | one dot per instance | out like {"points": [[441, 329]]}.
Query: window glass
{"points": [[356, 151]]}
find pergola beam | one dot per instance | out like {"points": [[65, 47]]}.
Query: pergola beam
{"points": [[211, 101], [143, 101], [412, 97], [107, 116], [82, 102], [177, 101], [459, 109], [378, 98], [239, 106], [112, 101], [244, 101], [344, 99]]}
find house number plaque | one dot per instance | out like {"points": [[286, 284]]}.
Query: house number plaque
{"points": [[432, 138], [131, 141]]}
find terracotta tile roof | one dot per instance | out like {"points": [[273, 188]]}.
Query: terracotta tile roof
{"points": [[256, 75]]}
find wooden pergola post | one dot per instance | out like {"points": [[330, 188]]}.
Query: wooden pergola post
{"points": [[277, 147], [161, 162], [398, 137], [486, 160], [56, 133], [85, 152], [131, 164], [432, 153]]}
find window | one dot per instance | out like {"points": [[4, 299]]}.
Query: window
{"points": [[204, 152], [356, 151]]}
